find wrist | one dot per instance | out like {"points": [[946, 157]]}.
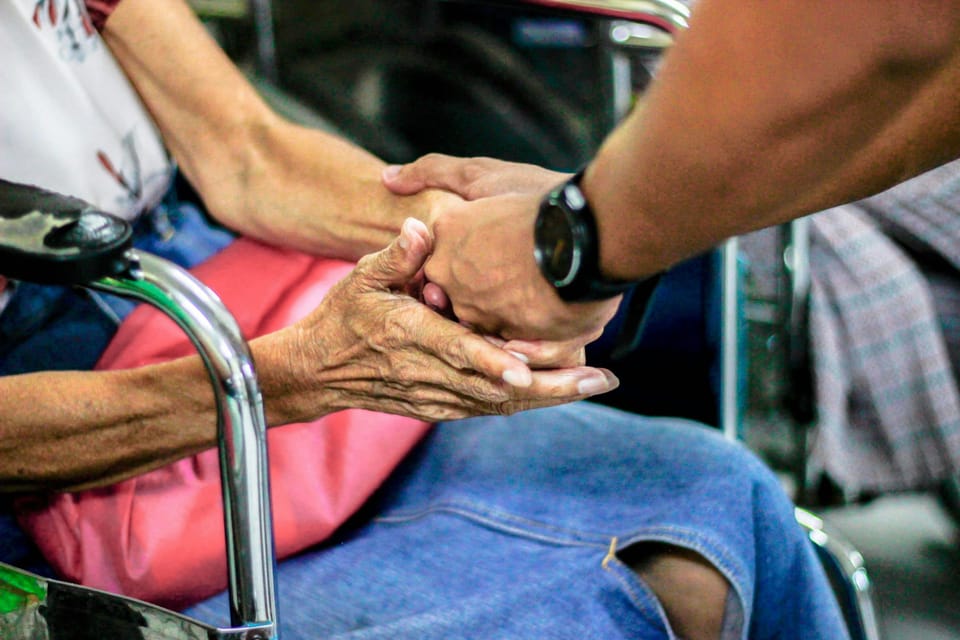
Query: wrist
{"points": [[285, 362], [567, 246]]}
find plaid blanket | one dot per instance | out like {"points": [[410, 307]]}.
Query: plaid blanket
{"points": [[884, 321]]}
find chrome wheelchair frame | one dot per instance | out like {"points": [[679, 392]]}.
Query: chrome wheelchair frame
{"points": [[94, 250]]}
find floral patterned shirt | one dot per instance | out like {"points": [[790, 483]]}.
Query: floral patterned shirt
{"points": [[69, 119]]}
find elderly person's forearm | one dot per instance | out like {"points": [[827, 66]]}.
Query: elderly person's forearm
{"points": [[257, 173], [369, 345]]}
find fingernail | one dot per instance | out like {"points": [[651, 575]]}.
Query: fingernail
{"points": [[494, 340], [519, 356], [612, 380], [416, 225], [406, 233], [593, 385], [392, 171], [518, 377]]}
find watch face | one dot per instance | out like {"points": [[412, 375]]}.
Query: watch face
{"points": [[556, 248]]}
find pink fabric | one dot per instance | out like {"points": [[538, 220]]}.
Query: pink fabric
{"points": [[159, 537]]}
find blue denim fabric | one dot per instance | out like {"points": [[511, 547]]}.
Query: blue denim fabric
{"points": [[62, 328], [16, 548], [501, 528]]}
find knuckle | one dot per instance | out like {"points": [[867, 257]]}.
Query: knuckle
{"points": [[472, 170], [367, 263], [406, 376], [431, 158], [479, 388], [430, 161], [511, 407], [505, 408], [440, 226], [456, 352], [394, 339]]}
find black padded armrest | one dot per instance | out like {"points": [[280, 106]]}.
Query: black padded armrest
{"points": [[49, 238]]}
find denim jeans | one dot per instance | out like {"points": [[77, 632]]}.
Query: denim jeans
{"points": [[498, 527], [508, 527]]}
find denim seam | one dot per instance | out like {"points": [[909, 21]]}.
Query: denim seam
{"points": [[631, 583], [714, 552], [506, 522]]}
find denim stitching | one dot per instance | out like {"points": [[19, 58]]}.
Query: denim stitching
{"points": [[717, 554], [504, 522]]}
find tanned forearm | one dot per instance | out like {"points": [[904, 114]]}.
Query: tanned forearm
{"points": [[72, 430], [258, 174], [766, 111], [68, 430]]}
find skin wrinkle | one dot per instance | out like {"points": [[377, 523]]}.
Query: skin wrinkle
{"points": [[394, 377]]}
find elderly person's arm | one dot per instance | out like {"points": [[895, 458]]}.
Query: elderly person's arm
{"points": [[257, 173], [260, 174], [368, 345]]}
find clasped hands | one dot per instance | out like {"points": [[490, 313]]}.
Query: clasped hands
{"points": [[483, 258], [373, 343]]}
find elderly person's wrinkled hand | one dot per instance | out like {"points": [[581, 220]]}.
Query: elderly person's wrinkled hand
{"points": [[372, 344]]}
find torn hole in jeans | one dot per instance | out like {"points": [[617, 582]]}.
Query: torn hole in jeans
{"points": [[683, 580]]}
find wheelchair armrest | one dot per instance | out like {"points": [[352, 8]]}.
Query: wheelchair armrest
{"points": [[49, 238]]}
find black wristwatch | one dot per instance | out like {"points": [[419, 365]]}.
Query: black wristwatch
{"points": [[566, 247]]}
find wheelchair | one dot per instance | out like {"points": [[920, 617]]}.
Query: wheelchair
{"points": [[93, 250]]}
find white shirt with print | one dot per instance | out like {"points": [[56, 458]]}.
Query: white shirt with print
{"points": [[69, 119]]}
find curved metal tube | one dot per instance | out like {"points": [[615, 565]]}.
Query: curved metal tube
{"points": [[669, 15], [241, 425], [843, 558]]}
